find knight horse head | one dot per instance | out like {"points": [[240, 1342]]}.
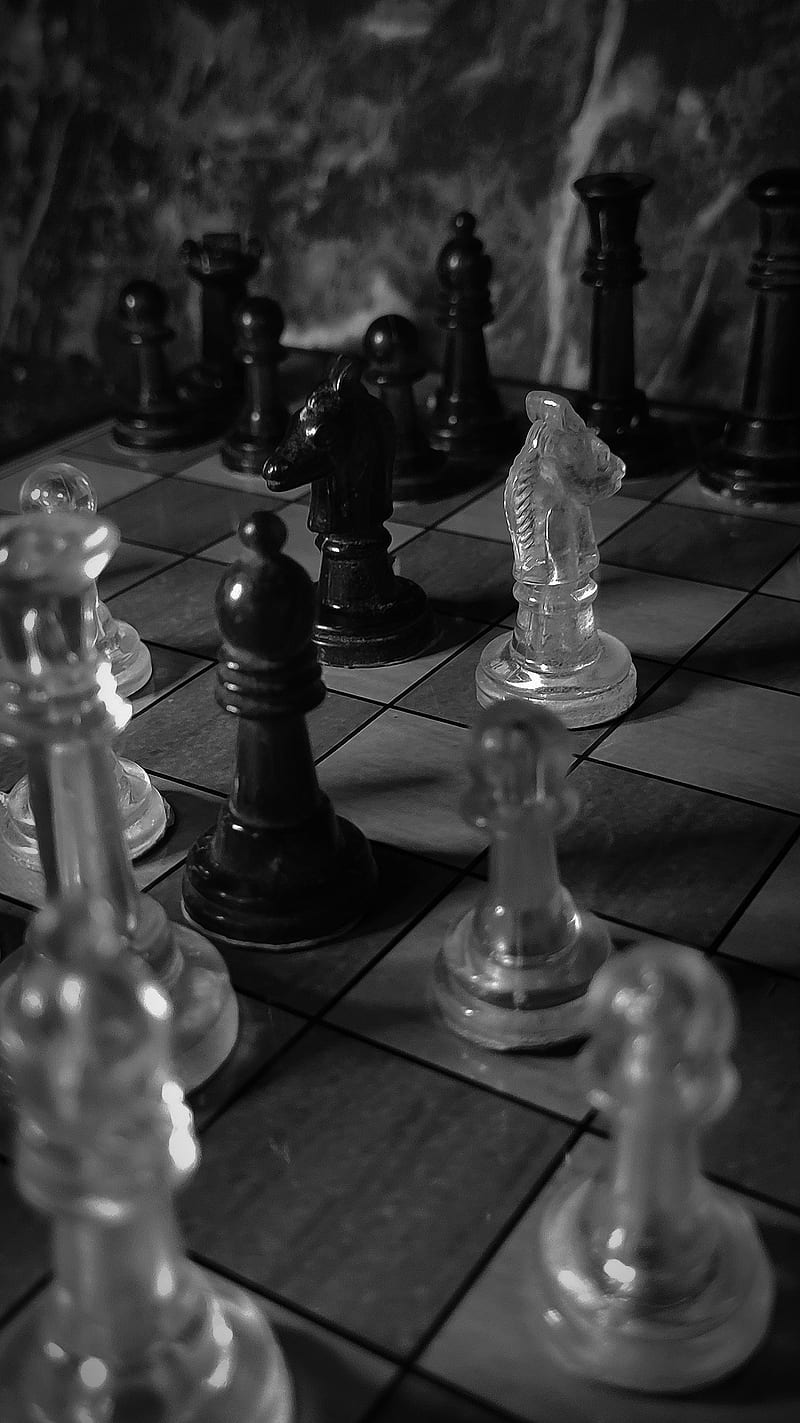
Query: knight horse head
{"points": [[323, 433]]}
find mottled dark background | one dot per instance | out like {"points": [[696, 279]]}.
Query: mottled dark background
{"points": [[346, 132]]}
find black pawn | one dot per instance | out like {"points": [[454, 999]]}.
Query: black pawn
{"points": [[614, 406], [221, 265], [342, 443], [153, 418], [391, 346], [467, 418], [757, 459], [258, 325], [280, 870]]}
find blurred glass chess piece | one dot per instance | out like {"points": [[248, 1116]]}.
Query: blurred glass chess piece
{"points": [[129, 1328], [556, 656], [647, 1275], [514, 972]]}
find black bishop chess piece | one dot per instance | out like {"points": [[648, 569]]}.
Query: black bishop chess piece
{"points": [[757, 459], [391, 346], [258, 324], [281, 870], [342, 441], [151, 415], [221, 264], [467, 417], [615, 407]]}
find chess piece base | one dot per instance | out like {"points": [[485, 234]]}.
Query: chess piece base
{"points": [[308, 887], [486, 441], [376, 637], [171, 1383], [247, 456], [175, 428], [130, 660], [670, 1348], [145, 815], [740, 479], [597, 693], [513, 1006], [648, 445]]}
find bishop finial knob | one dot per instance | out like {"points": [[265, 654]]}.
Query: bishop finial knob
{"points": [[462, 263]]}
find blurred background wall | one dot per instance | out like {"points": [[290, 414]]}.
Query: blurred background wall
{"points": [[346, 132]]}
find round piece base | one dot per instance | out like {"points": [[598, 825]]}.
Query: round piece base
{"points": [[735, 480], [407, 630], [250, 1381], [145, 816], [513, 1008], [587, 697], [175, 430], [246, 456], [674, 1348], [204, 1008], [486, 441], [131, 662]]}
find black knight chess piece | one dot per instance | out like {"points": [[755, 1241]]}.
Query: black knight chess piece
{"points": [[391, 346], [258, 324], [757, 460], [281, 870], [615, 407], [151, 416], [467, 417], [222, 265], [342, 441]]}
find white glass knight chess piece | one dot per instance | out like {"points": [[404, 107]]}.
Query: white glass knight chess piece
{"points": [[556, 656], [648, 1276], [59, 488], [129, 1328], [514, 972]]}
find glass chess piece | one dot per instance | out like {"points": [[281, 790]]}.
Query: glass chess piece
{"points": [[129, 1329], [648, 1276], [514, 971], [556, 656], [60, 704]]}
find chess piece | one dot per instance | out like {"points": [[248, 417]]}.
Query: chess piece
{"points": [[153, 418], [648, 1276], [59, 703], [221, 265], [556, 656], [280, 870], [467, 418], [129, 1327], [514, 971], [757, 460], [614, 406], [342, 441], [391, 345], [261, 425], [145, 815]]}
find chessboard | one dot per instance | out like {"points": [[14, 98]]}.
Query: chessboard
{"points": [[372, 1179]]}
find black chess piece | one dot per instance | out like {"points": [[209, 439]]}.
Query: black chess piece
{"points": [[391, 346], [152, 417], [615, 407], [222, 265], [280, 870], [258, 324], [467, 417], [757, 459], [342, 442]]}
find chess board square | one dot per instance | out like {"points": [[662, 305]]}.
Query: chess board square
{"points": [[384, 684], [462, 576], [697, 544], [263, 1032], [662, 856], [176, 608], [300, 542], [758, 644], [493, 1346], [109, 480], [469, 485], [13, 923], [767, 933], [485, 517], [184, 517], [385, 1183], [211, 470], [186, 734], [426, 1402], [25, 1256], [131, 564], [721, 735], [170, 670], [102, 447], [309, 981], [691, 493], [400, 779], [786, 582], [393, 1004]]}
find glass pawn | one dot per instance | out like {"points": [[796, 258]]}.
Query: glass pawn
{"points": [[647, 1275], [514, 972]]}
